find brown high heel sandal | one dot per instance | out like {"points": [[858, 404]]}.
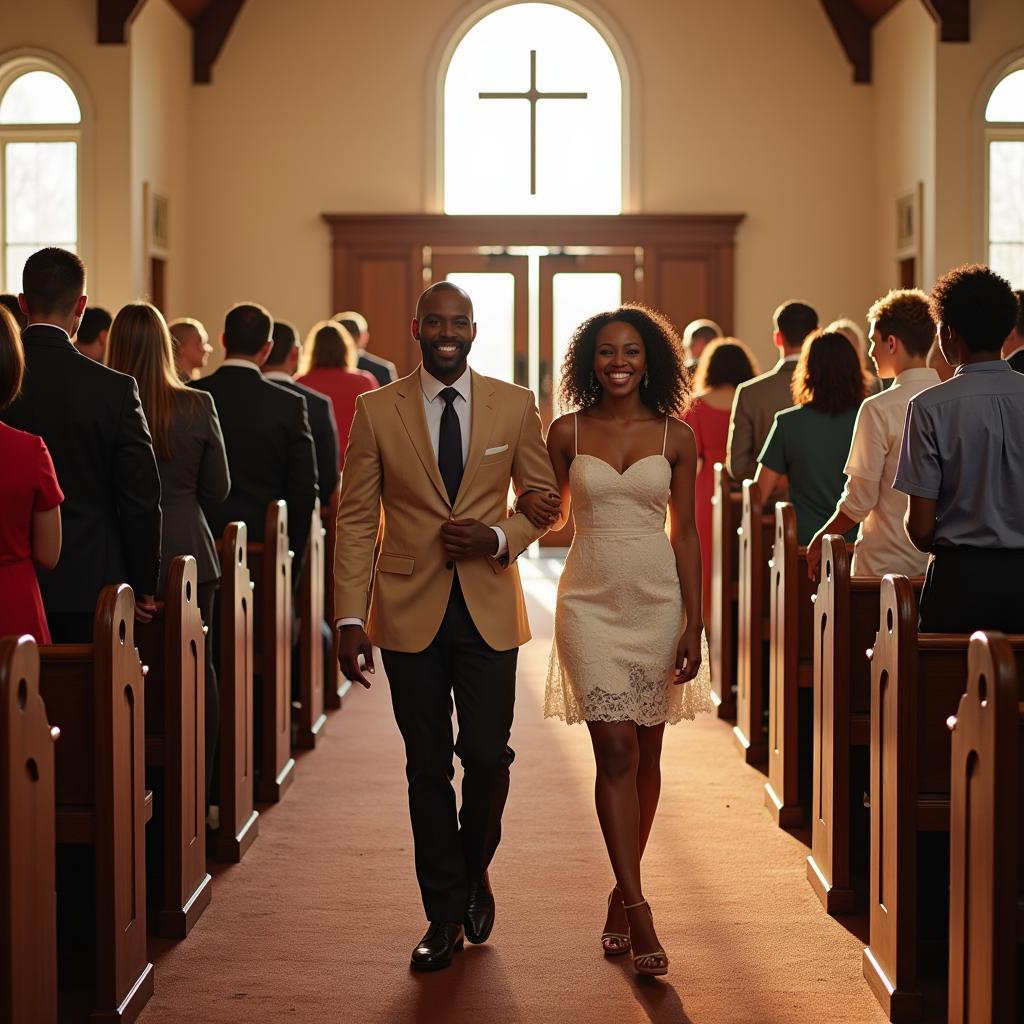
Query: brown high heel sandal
{"points": [[654, 964], [614, 943]]}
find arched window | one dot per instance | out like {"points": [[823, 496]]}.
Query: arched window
{"points": [[533, 116], [1004, 153], [40, 138]]}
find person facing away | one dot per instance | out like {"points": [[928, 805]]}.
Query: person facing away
{"points": [[851, 330], [1013, 347], [30, 498], [91, 339], [280, 368], [431, 457], [191, 345], [10, 303], [266, 436], [723, 366], [628, 650], [383, 370], [809, 443], [900, 334], [92, 422], [962, 463], [697, 335], [330, 369], [757, 401], [192, 463]]}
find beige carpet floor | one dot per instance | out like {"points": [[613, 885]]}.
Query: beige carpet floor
{"points": [[317, 922]]}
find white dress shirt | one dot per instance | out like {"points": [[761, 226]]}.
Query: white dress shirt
{"points": [[247, 363], [433, 407], [869, 498]]}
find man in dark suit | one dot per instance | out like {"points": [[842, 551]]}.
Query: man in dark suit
{"points": [[266, 435], [92, 421], [1013, 348], [280, 368], [356, 325], [91, 339]]}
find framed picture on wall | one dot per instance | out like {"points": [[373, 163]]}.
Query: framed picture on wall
{"points": [[156, 220], [909, 236]]}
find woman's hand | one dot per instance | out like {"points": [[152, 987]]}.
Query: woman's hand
{"points": [[688, 654], [541, 509]]}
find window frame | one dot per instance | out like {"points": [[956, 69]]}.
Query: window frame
{"points": [[12, 67], [995, 131]]}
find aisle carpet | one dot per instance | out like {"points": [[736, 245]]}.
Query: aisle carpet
{"points": [[317, 922]]}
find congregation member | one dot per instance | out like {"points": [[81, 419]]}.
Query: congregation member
{"points": [[330, 357], [91, 339], [723, 366], [192, 463], [280, 368], [1013, 347], [808, 443], [851, 330], [92, 422], [697, 335], [962, 463], [757, 401], [10, 303], [383, 370], [30, 500], [191, 346], [900, 335], [266, 436]]}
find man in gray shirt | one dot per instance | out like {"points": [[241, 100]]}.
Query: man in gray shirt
{"points": [[962, 463]]}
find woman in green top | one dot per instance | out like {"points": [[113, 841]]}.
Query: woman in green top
{"points": [[809, 443]]}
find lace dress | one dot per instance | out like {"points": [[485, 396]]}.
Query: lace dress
{"points": [[619, 613]]}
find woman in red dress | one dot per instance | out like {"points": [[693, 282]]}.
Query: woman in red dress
{"points": [[330, 356], [723, 365], [30, 500]]}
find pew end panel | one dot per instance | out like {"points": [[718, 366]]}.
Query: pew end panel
{"points": [[335, 684], [986, 890], [239, 820], [312, 667], [28, 928], [173, 648], [270, 563], [726, 508]]}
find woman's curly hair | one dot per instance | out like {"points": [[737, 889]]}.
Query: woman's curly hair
{"points": [[668, 390]]}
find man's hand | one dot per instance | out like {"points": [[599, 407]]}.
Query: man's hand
{"points": [[145, 608], [468, 538], [353, 641], [814, 556], [541, 509]]}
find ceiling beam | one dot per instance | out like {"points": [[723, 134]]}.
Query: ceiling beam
{"points": [[209, 33], [953, 17], [853, 29], [113, 18]]}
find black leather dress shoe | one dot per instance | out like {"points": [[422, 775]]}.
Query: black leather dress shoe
{"points": [[436, 948], [479, 909]]}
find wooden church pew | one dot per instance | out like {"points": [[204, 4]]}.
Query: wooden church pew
{"points": [[986, 892], [28, 925], [790, 661], [271, 566], [335, 684], [311, 717], [755, 540], [172, 648], [94, 695], [916, 684], [726, 509], [239, 820]]}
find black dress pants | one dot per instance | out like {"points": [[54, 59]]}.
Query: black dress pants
{"points": [[968, 588], [450, 848]]}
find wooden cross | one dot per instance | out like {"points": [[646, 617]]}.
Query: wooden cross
{"points": [[533, 95]]}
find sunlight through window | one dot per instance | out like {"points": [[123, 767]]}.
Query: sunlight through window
{"points": [[1004, 143]]}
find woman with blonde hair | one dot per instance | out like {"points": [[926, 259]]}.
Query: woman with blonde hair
{"points": [[724, 364], [329, 365], [191, 459]]}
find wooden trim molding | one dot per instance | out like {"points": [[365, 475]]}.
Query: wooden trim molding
{"points": [[113, 18], [210, 31], [853, 29], [953, 18]]}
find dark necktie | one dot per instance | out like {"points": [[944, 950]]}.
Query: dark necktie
{"points": [[449, 445]]}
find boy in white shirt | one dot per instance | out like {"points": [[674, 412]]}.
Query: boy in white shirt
{"points": [[900, 335]]}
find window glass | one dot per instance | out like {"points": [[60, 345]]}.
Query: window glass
{"points": [[39, 97]]}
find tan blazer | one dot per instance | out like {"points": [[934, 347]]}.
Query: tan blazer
{"points": [[391, 471], [753, 410]]}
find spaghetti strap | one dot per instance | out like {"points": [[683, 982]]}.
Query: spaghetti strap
{"points": [[664, 440], [575, 434]]}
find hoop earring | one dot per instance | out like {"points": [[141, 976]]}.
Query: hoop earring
{"points": [[594, 386], [647, 379]]}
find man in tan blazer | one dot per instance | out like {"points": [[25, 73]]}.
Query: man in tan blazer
{"points": [[432, 455], [757, 401]]}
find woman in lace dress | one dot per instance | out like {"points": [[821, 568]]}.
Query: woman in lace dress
{"points": [[628, 654]]}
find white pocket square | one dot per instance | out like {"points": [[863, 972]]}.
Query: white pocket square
{"points": [[495, 451]]}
